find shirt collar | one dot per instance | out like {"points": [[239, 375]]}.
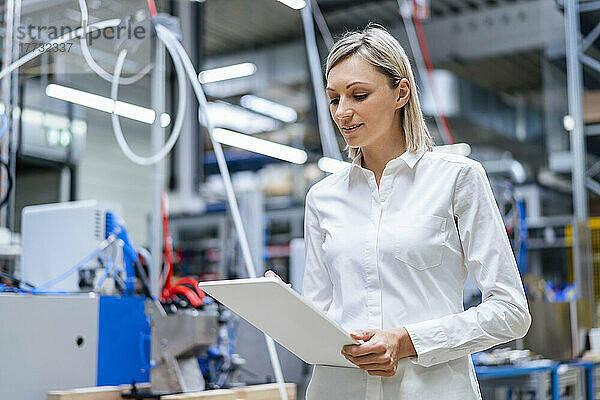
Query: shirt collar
{"points": [[409, 157]]}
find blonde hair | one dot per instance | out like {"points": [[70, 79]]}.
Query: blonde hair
{"points": [[376, 46]]}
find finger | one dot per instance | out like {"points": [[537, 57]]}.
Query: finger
{"points": [[271, 274], [347, 349], [371, 359], [366, 348], [363, 334], [376, 366]]}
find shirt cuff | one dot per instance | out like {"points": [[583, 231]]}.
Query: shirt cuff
{"points": [[430, 342]]}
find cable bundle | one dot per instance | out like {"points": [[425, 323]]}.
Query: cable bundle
{"points": [[186, 287]]}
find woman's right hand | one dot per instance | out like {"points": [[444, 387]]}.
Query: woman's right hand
{"points": [[271, 274]]}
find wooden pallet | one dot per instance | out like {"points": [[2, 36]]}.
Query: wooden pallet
{"points": [[266, 392], [91, 393], [221, 394]]}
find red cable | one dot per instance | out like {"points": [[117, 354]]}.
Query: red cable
{"points": [[189, 294], [152, 8], [195, 296], [428, 64], [193, 283]]}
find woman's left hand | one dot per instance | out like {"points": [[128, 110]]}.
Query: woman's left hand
{"points": [[381, 350]]}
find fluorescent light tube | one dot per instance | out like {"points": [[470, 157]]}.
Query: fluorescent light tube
{"points": [[229, 72], [269, 108], [261, 146], [295, 4], [135, 112], [239, 119], [80, 97], [101, 103], [331, 165]]}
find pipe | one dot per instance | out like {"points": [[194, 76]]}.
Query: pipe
{"points": [[513, 168], [328, 140]]}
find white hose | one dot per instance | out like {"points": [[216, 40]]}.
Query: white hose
{"points": [[63, 39], [235, 212], [85, 51], [114, 93]]}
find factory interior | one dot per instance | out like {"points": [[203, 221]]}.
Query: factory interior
{"points": [[150, 146]]}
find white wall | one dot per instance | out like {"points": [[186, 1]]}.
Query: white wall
{"points": [[106, 174]]}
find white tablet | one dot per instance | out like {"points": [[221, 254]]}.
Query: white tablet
{"points": [[292, 321]]}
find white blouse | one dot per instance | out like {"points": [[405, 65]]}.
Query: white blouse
{"points": [[398, 255]]}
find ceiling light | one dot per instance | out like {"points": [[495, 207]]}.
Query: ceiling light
{"points": [[80, 97], [165, 120], [261, 146], [229, 72], [568, 123], [101, 103], [264, 106], [226, 115], [295, 4], [331, 165]]}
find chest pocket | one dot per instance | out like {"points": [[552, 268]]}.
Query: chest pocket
{"points": [[419, 242]]}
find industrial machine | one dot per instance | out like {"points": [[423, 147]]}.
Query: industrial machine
{"points": [[70, 252], [51, 342], [178, 339], [56, 237]]}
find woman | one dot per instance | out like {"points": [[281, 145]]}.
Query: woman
{"points": [[390, 240]]}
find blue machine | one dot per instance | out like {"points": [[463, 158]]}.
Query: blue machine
{"points": [[123, 341]]}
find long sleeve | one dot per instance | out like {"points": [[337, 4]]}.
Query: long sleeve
{"points": [[503, 314], [316, 285]]}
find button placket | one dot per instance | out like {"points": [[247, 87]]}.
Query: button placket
{"points": [[371, 272], [385, 184], [370, 233], [373, 384]]}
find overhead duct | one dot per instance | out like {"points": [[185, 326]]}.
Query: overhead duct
{"points": [[462, 98], [506, 166]]}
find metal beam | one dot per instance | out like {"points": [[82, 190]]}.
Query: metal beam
{"points": [[590, 62], [591, 130], [593, 185], [594, 169], [581, 237], [158, 169], [590, 38], [589, 6], [328, 139]]}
